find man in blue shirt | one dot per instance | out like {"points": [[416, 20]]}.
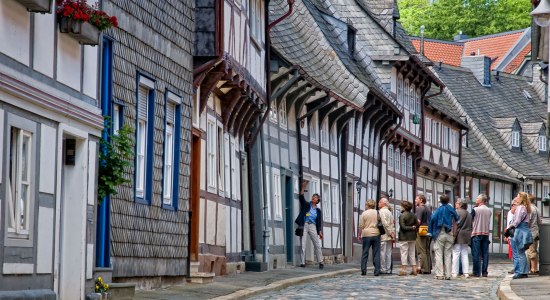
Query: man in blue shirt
{"points": [[311, 220], [440, 229]]}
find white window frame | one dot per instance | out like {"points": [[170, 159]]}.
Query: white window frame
{"points": [[543, 143], [359, 143], [234, 176], [406, 94], [324, 132], [313, 187], [515, 139], [409, 167], [326, 203], [220, 156], [277, 198], [195, 109], [255, 20], [418, 109], [400, 90], [211, 149], [142, 137], [390, 157], [351, 131], [268, 192], [333, 139], [227, 165], [273, 112], [314, 129], [168, 164], [446, 132], [545, 191], [404, 164], [283, 118], [115, 121], [397, 161], [428, 130], [436, 139], [335, 200]]}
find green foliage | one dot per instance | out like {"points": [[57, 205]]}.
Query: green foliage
{"points": [[115, 154], [444, 19]]}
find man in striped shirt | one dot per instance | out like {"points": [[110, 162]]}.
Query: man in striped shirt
{"points": [[481, 215]]}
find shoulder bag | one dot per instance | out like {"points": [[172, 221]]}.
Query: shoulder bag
{"points": [[380, 225]]}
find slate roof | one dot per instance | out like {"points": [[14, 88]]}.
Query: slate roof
{"points": [[442, 104], [493, 109], [317, 41]]}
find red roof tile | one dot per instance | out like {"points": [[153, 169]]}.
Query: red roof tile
{"points": [[512, 67], [436, 51], [495, 46]]}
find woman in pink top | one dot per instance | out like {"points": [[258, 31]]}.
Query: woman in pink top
{"points": [[522, 238]]}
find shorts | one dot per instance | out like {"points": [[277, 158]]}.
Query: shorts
{"points": [[532, 252]]}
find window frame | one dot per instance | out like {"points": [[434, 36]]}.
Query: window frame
{"points": [[18, 237], [409, 167], [324, 134], [283, 118], [326, 201], [543, 143], [428, 130], [144, 195], [255, 20], [397, 161], [390, 157], [277, 197], [515, 139], [211, 152], [335, 200], [175, 100], [404, 164], [313, 129], [400, 85]]}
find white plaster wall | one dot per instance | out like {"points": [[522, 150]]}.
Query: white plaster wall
{"points": [[357, 165], [326, 164], [314, 158], [15, 26], [228, 230], [69, 58], [47, 160], [336, 237], [44, 34], [221, 223], [239, 231], [293, 145], [454, 162], [210, 219], [91, 67], [202, 205], [1, 155], [275, 152], [445, 159], [334, 171], [427, 150], [436, 154], [327, 236], [349, 162], [44, 251]]}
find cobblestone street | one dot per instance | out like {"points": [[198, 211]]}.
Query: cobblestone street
{"points": [[396, 287]]}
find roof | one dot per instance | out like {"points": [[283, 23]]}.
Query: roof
{"points": [[496, 46], [443, 105], [492, 111]]}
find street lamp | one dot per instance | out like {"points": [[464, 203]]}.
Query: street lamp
{"points": [[541, 16], [390, 193]]}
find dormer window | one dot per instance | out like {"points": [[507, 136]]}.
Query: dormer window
{"points": [[543, 141], [352, 33], [516, 136]]}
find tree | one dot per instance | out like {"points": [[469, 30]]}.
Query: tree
{"points": [[443, 19]]}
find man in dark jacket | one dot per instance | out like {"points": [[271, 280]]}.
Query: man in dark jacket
{"points": [[311, 220]]}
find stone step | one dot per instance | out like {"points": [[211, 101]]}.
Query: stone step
{"points": [[194, 267], [201, 277], [105, 273], [122, 291]]}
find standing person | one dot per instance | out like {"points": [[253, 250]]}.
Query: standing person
{"points": [[463, 237], [370, 236], [481, 216], [387, 239], [310, 219], [522, 237], [509, 220], [423, 214], [441, 226], [408, 229], [534, 223]]}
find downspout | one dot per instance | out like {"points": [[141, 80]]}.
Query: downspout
{"points": [[460, 162], [391, 136], [262, 120]]}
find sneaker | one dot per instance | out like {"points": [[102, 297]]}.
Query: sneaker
{"points": [[485, 275], [439, 277], [402, 273], [453, 276], [302, 266], [465, 276], [321, 266], [413, 273]]}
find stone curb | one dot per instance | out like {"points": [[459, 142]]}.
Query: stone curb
{"points": [[505, 291], [281, 284]]}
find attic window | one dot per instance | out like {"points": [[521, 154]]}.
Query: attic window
{"points": [[352, 33], [515, 139], [542, 143]]}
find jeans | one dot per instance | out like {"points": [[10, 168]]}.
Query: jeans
{"points": [[480, 251], [515, 256], [311, 230], [443, 253], [368, 242], [385, 256], [460, 254]]}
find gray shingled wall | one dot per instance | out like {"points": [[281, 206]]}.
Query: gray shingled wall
{"points": [[156, 38]]}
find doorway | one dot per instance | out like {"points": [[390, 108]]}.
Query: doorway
{"points": [[195, 195], [347, 209], [289, 219]]}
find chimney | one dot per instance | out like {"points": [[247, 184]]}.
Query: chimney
{"points": [[480, 65], [460, 37]]}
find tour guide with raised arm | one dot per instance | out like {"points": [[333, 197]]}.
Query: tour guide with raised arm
{"points": [[311, 220]]}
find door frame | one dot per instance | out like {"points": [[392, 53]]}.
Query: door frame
{"points": [[195, 186]]}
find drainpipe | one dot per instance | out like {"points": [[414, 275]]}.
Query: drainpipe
{"points": [[262, 120], [391, 136]]}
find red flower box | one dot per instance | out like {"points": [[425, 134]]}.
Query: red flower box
{"points": [[82, 21]]}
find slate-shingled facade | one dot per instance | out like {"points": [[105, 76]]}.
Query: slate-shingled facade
{"points": [[496, 161], [151, 91]]}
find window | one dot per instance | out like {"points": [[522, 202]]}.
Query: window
{"points": [[390, 157], [335, 197], [277, 195], [406, 94], [542, 143], [211, 152], [404, 164], [359, 132], [351, 126], [220, 161], [515, 139], [268, 193], [428, 130], [436, 139], [145, 109], [234, 177], [446, 134], [352, 32], [545, 191], [417, 101], [333, 139], [196, 108], [169, 153], [400, 90], [273, 112], [325, 134], [20, 194], [313, 134], [116, 118], [397, 161], [410, 167], [326, 204], [283, 121], [227, 165], [465, 140], [255, 18]]}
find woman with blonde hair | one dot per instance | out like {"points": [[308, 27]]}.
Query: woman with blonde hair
{"points": [[521, 237], [370, 236]]}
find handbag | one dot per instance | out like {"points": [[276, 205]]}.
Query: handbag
{"points": [[509, 232], [380, 225], [299, 231], [423, 230]]}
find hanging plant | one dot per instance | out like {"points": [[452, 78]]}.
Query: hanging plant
{"points": [[115, 154]]}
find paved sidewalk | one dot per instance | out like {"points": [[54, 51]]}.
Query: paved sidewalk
{"points": [[247, 284], [533, 288]]}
